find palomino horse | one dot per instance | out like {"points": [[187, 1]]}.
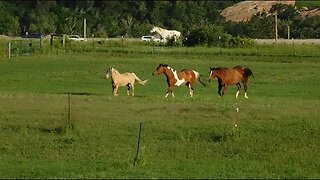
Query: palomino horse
{"points": [[231, 76], [175, 78], [126, 79]]}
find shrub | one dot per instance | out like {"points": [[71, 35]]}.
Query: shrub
{"points": [[213, 35]]}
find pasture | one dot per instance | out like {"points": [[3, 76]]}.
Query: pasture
{"points": [[275, 134]]}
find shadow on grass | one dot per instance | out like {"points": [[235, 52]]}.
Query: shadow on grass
{"points": [[218, 137], [58, 130]]}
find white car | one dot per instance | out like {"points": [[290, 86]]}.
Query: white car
{"points": [[75, 38], [150, 38]]}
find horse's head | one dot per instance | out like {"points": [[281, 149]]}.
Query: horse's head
{"points": [[212, 74], [154, 29], [160, 69], [109, 72]]}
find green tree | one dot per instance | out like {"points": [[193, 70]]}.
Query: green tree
{"points": [[308, 28], [208, 35], [9, 25], [43, 22], [285, 12], [261, 26], [287, 16], [237, 28], [70, 21], [111, 24], [127, 24]]}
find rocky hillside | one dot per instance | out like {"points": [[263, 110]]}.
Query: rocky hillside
{"points": [[244, 10], [310, 12]]}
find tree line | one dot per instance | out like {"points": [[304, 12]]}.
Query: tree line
{"points": [[135, 19]]}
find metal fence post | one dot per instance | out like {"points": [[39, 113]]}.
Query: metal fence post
{"points": [[138, 145]]}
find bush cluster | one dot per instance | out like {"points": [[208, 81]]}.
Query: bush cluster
{"points": [[213, 35]]}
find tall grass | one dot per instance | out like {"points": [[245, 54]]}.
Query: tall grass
{"points": [[274, 134]]}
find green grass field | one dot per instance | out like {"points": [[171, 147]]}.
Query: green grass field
{"points": [[276, 133]]}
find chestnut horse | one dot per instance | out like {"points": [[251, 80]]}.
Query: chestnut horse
{"points": [[231, 76], [175, 78], [126, 79]]}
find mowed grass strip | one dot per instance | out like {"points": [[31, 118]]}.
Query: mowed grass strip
{"points": [[274, 134]]}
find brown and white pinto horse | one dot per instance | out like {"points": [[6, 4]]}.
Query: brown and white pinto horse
{"points": [[175, 78], [231, 76]]}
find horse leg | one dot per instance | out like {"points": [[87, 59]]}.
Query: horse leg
{"points": [[170, 91], [238, 91], [190, 88], [128, 90], [219, 89], [132, 89], [115, 90], [225, 87], [245, 85]]}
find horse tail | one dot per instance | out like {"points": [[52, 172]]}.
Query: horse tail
{"points": [[248, 72], [199, 79], [139, 80], [204, 84]]}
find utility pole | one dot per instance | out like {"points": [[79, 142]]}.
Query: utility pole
{"points": [[276, 27], [84, 29], [288, 31]]}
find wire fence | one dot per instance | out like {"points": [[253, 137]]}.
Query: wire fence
{"points": [[60, 44]]}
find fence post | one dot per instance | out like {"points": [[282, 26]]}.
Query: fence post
{"points": [[93, 42], [9, 50], [63, 41], [152, 47], [294, 51], [69, 111], [41, 45], [122, 45], [138, 145]]}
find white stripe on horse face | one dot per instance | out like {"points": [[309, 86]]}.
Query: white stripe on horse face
{"points": [[179, 81], [210, 74]]}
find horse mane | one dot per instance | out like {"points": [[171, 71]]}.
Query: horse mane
{"points": [[219, 68], [116, 71], [156, 29], [237, 66], [159, 28], [165, 65]]}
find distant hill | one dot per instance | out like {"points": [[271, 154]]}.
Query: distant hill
{"points": [[244, 10]]}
